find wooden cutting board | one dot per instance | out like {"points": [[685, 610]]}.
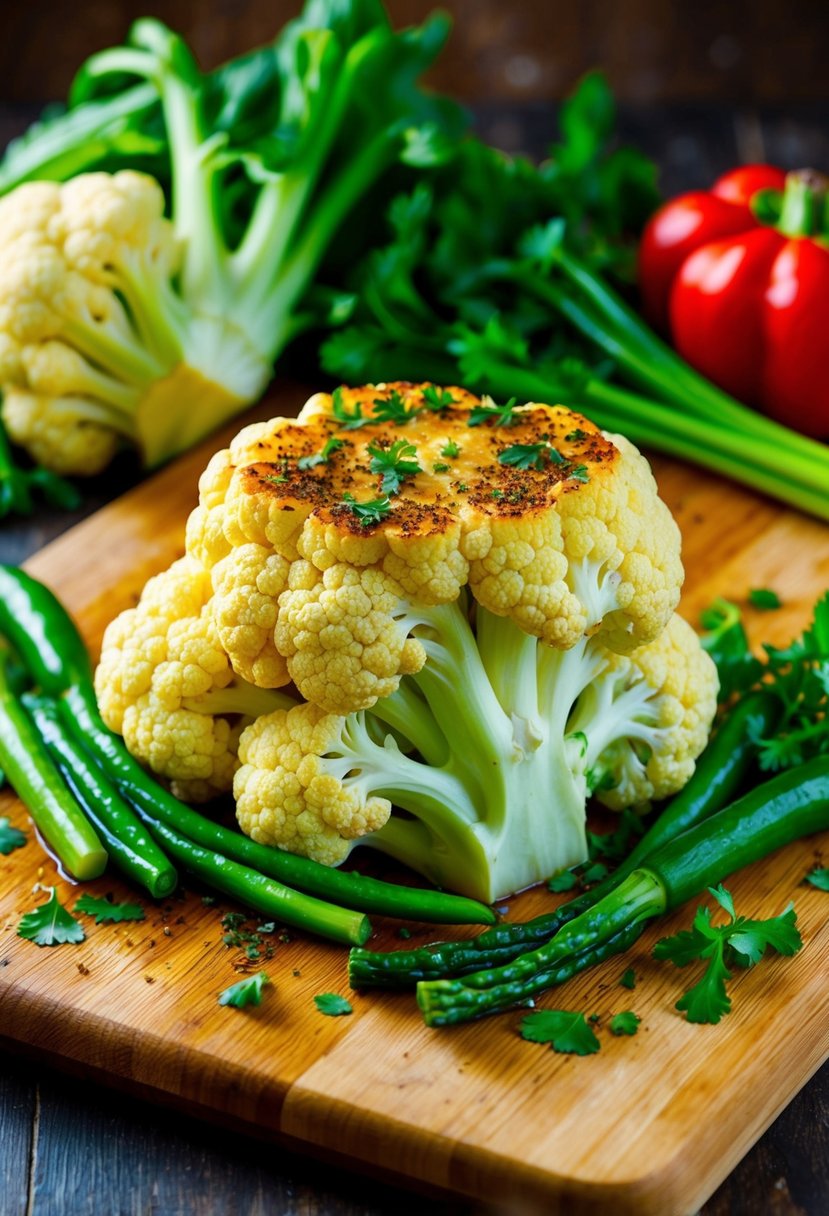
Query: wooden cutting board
{"points": [[649, 1125]]}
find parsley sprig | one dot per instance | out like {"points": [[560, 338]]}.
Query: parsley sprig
{"points": [[395, 463], [51, 924], [106, 911], [246, 992], [489, 411], [332, 445], [373, 511], [394, 409], [349, 419], [739, 942], [566, 1032]]}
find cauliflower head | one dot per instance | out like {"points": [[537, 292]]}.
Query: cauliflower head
{"points": [[165, 683], [329, 535]]}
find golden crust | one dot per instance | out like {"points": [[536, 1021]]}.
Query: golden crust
{"points": [[427, 503]]}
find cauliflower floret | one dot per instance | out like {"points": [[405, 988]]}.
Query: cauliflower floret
{"points": [[289, 787], [547, 521], [166, 685]]}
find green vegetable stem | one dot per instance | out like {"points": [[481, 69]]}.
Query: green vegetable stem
{"points": [[795, 803], [719, 775]]}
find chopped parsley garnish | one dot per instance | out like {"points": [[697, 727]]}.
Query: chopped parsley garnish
{"points": [[249, 941], [579, 473], [613, 846], [575, 435], [819, 879], [450, 450], [501, 415], [625, 1023], [441, 468], [348, 419], [332, 1005], [277, 479], [51, 924], [395, 463], [462, 487], [435, 400], [104, 910], [566, 880], [762, 597], [628, 979], [333, 444], [370, 512], [565, 1031], [246, 992], [530, 456], [393, 409], [10, 838], [742, 942]]}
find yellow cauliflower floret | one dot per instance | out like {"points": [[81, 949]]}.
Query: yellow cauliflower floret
{"points": [[676, 680], [290, 795], [165, 683], [567, 541], [58, 434]]}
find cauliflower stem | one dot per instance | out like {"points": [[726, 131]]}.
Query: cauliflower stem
{"points": [[120, 325]]}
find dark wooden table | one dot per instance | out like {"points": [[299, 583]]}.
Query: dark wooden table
{"points": [[70, 1147]]}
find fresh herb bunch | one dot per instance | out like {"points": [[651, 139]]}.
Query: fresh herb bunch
{"points": [[497, 275]]}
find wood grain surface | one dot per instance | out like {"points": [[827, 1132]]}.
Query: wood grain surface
{"points": [[650, 1124]]}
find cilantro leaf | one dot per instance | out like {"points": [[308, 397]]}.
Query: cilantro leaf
{"points": [[764, 598], [395, 463], [369, 512], [628, 979], [332, 1005], [332, 444], [625, 1023], [247, 992], [11, 838], [819, 879], [104, 910], [565, 1031], [739, 942], [50, 924], [348, 419]]}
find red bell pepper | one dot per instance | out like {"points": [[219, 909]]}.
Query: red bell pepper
{"points": [[739, 278]]}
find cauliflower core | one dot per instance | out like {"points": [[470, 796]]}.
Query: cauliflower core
{"points": [[475, 604]]}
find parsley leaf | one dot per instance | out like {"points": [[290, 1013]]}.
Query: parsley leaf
{"points": [[332, 1005], [625, 1023], [579, 473], [450, 450], [348, 419], [501, 415], [247, 992], [10, 838], [104, 910], [530, 455], [628, 979], [332, 444], [819, 879], [613, 846], [395, 463], [565, 1031], [435, 400], [370, 512], [394, 409], [566, 880], [762, 597], [740, 942], [50, 924]]}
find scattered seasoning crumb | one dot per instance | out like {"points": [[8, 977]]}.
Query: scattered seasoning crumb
{"points": [[208, 900], [149, 979], [594, 1017], [167, 931], [297, 973], [83, 970], [129, 942], [404, 933], [151, 943]]}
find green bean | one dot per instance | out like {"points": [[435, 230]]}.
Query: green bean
{"points": [[127, 842], [37, 782]]}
